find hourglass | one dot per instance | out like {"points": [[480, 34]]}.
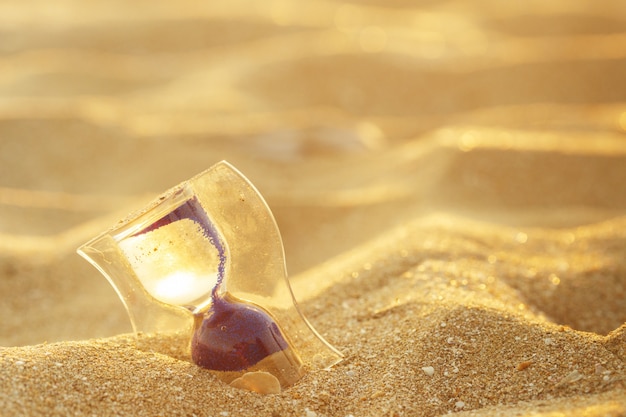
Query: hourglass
{"points": [[203, 267]]}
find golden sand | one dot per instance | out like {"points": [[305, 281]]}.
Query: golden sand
{"points": [[448, 178]]}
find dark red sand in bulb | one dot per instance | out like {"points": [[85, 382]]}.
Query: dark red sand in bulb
{"points": [[234, 336]]}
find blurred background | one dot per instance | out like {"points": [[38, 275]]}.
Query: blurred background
{"points": [[351, 117]]}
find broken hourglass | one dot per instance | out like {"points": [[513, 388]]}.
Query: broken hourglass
{"points": [[203, 268]]}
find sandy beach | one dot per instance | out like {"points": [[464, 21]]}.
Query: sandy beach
{"points": [[449, 180]]}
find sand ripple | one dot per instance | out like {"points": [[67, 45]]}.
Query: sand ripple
{"points": [[448, 179]]}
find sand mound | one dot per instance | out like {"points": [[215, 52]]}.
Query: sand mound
{"points": [[448, 180]]}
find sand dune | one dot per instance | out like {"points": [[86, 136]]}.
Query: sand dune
{"points": [[448, 180]]}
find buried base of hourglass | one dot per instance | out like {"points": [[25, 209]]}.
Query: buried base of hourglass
{"points": [[243, 345], [268, 376]]}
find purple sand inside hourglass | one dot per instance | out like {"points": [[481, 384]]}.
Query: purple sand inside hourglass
{"points": [[233, 335]]}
